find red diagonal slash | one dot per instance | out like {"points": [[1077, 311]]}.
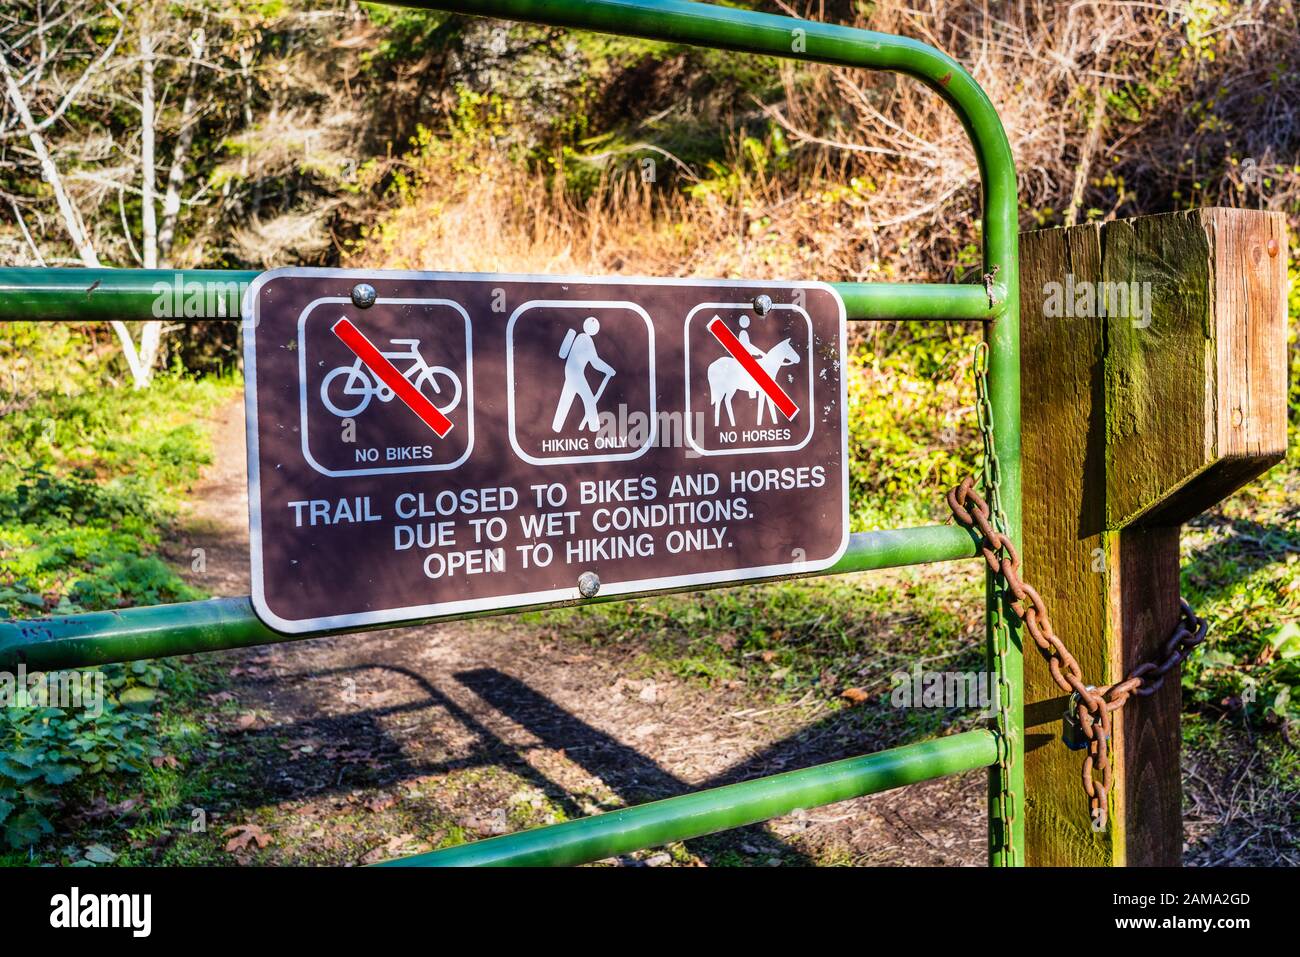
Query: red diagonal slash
{"points": [[370, 357], [750, 365]]}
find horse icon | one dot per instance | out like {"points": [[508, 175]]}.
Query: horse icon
{"points": [[727, 377]]}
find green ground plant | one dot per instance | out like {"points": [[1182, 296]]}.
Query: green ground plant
{"points": [[90, 481]]}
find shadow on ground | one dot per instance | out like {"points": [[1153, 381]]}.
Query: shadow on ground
{"points": [[506, 724]]}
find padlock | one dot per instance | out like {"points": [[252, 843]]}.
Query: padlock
{"points": [[1071, 728]]}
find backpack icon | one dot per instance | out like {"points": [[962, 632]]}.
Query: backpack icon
{"points": [[568, 343]]}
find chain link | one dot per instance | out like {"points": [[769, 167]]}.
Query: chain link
{"points": [[1095, 703], [1001, 636]]}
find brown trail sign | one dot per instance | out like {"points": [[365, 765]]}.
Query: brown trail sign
{"points": [[423, 444]]}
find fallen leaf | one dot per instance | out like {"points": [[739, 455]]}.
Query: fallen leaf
{"points": [[855, 696], [100, 854], [245, 834], [246, 720], [494, 821], [381, 802], [394, 847], [98, 808]]}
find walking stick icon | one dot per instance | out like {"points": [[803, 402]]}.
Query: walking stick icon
{"points": [[601, 388]]}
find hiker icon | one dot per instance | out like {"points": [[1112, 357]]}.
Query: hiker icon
{"points": [[579, 352], [596, 401]]}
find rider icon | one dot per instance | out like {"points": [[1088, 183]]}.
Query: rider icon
{"points": [[744, 338], [579, 352]]}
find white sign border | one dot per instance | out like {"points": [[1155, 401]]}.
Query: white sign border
{"points": [[441, 610], [580, 305]]}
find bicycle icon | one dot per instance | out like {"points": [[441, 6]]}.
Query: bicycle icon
{"points": [[354, 385]]}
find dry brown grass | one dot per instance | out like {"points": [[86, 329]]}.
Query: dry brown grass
{"points": [[501, 217], [1112, 108]]}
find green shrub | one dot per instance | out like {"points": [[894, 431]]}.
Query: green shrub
{"points": [[43, 749], [912, 432], [87, 484]]}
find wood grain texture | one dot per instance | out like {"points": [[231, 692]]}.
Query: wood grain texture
{"points": [[1156, 367], [1250, 289], [1144, 577], [1063, 446], [1135, 419], [1193, 394]]}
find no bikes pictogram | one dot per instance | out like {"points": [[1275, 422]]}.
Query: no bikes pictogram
{"points": [[347, 390]]}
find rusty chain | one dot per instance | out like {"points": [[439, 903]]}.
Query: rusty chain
{"points": [[1000, 629], [1093, 705]]}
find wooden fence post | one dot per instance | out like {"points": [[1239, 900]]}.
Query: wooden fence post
{"points": [[1153, 386]]}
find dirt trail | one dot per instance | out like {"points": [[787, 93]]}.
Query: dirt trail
{"points": [[357, 748]]}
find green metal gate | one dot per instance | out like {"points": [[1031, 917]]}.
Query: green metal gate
{"points": [[90, 295]]}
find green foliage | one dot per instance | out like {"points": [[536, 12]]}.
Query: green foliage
{"points": [[43, 749], [407, 34], [819, 635], [753, 157], [911, 426], [87, 482], [43, 356]]}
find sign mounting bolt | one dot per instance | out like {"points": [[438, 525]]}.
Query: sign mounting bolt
{"points": [[588, 584], [363, 295], [762, 305]]}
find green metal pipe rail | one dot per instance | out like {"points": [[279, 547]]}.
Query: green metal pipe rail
{"points": [[98, 295], [718, 809], [157, 631]]}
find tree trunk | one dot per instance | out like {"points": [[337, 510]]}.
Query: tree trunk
{"points": [[171, 206], [151, 334], [140, 373]]}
